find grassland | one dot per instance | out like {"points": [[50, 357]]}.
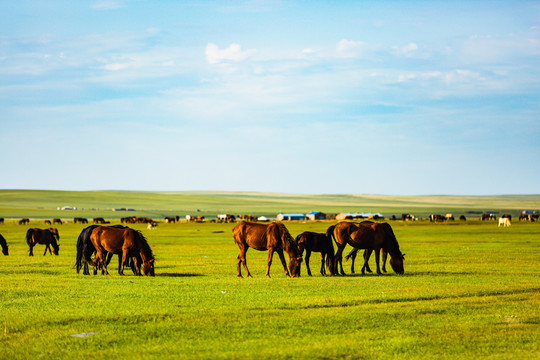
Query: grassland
{"points": [[471, 290]]}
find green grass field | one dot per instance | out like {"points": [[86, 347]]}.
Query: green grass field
{"points": [[470, 290]]}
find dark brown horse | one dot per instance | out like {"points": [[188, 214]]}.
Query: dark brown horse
{"points": [[370, 236], [47, 237], [273, 237], [311, 241], [3, 244], [85, 246], [130, 242]]}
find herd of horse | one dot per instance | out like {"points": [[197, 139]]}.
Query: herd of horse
{"points": [[368, 235], [97, 244]]}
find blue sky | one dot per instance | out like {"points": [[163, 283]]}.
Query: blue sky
{"points": [[385, 97]]}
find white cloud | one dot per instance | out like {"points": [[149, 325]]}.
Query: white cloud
{"points": [[115, 67], [406, 50], [351, 48], [107, 5], [234, 52]]}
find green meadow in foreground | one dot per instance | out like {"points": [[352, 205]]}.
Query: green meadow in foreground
{"points": [[470, 290]]}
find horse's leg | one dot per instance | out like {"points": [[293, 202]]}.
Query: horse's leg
{"points": [[377, 256], [308, 255], [339, 259], [101, 262], [47, 247], [31, 250], [384, 257], [123, 260], [367, 255], [323, 269], [241, 259], [108, 256], [269, 262], [282, 258], [353, 259]]}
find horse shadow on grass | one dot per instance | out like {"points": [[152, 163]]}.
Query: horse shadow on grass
{"points": [[170, 274], [414, 274]]}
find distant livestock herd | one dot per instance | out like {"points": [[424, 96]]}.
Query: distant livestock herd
{"points": [[369, 235]]}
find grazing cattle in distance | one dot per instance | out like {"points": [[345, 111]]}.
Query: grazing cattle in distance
{"points": [[488, 216], [507, 216], [99, 220], [528, 217], [80, 220], [463, 218], [151, 225], [24, 221], [505, 222], [407, 217], [449, 217], [226, 218], [169, 219], [437, 218], [47, 222], [57, 221]]}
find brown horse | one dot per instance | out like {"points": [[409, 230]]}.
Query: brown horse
{"points": [[370, 236], [130, 242], [273, 237], [3, 244], [311, 241], [85, 246], [47, 237]]}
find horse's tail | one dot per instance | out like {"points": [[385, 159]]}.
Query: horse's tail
{"points": [[330, 233], [80, 248], [330, 257], [351, 254], [84, 243], [29, 236]]}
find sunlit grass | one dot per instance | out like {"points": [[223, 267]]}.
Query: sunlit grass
{"points": [[470, 290]]}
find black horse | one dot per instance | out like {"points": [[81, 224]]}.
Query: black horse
{"points": [[85, 249], [322, 243], [3, 243]]}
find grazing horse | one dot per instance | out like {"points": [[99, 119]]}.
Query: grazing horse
{"points": [[85, 246], [130, 242], [47, 237], [370, 236], [24, 221], [311, 241], [3, 244], [505, 222], [273, 237]]}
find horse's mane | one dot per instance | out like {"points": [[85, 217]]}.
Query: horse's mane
{"points": [[390, 244], [286, 238], [144, 244]]}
